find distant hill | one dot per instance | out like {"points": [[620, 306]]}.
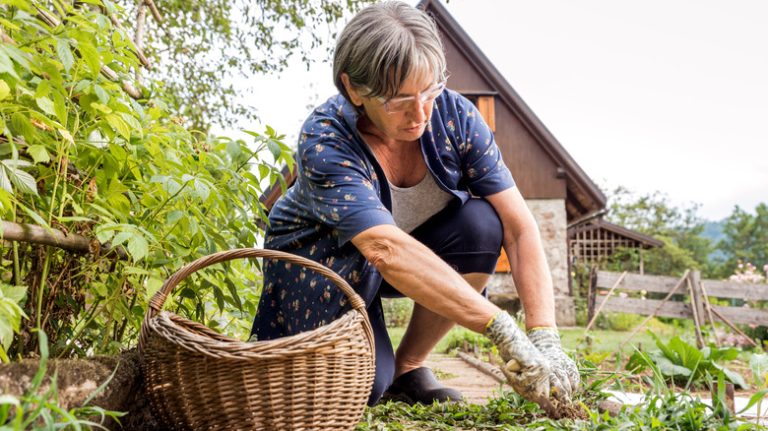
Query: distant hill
{"points": [[713, 230]]}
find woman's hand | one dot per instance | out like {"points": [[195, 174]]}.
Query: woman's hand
{"points": [[527, 370], [565, 376]]}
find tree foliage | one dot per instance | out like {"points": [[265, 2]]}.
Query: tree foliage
{"points": [[79, 155], [746, 239], [201, 45], [679, 228]]}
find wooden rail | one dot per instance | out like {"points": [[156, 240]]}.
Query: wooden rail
{"points": [[679, 305]]}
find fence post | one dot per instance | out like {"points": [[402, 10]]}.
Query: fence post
{"points": [[697, 305], [591, 293]]}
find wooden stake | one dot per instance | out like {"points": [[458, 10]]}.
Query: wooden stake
{"points": [[607, 296], [647, 319], [732, 326], [697, 307], [730, 403], [708, 311]]}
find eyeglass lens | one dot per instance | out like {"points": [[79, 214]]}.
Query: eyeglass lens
{"points": [[403, 103]]}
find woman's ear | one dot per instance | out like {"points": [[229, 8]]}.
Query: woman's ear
{"points": [[354, 95]]}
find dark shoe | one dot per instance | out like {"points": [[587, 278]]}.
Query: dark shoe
{"points": [[420, 386]]}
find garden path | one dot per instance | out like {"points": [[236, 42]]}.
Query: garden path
{"points": [[454, 372]]}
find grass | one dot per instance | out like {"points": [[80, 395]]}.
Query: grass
{"points": [[602, 341], [666, 408]]}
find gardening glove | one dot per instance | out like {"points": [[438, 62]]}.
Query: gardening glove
{"points": [[565, 376], [527, 370]]}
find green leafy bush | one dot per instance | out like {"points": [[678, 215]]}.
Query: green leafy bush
{"points": [[685, 364], [464, 339], [80, 155], [397, 311]]}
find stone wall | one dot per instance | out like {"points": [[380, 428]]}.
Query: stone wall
{"points": [[551, 217]]}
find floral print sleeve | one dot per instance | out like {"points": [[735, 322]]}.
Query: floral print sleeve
{"points": [[340, 184]]}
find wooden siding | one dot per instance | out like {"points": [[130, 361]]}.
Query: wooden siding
{"points": [[533, 169]]}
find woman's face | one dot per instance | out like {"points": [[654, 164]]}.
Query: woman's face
{"points": [[405, 116]]}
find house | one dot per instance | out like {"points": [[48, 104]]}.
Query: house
{"points": [[556, 189]]}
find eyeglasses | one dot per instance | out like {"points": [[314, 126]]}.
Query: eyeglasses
{"points": [[400, 104]]}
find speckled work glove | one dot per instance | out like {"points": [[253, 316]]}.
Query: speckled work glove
{"points": [[527, 370], [565, 376]]}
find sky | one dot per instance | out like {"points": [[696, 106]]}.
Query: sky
{"points": [[668, 96]]}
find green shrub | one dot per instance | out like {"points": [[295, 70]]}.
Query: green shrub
{"points": [[397, 311], [685, 364], [80, 155], [622, 321], [465, 340]]}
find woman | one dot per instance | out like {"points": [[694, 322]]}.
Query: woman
{"points": [[402, 191]]}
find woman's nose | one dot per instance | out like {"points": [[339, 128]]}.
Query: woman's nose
{"points": [[419, 110]]}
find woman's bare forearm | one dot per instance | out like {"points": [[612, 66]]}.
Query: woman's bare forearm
{"points": [[418, 273], [533, 280]]}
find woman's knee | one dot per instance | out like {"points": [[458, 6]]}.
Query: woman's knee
{"points": [[481, 227]]}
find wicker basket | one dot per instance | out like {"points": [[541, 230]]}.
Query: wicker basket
{"points": [[198, 379]]}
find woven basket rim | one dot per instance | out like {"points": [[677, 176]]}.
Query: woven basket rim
{"points": [[216, 341]]}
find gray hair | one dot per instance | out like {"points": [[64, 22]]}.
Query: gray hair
{"points": [[383, 44]]}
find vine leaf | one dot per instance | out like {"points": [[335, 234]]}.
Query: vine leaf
{"points": [[65, 53], [11, 174]]}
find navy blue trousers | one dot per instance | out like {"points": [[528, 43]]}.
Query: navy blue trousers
{"points": [[469, 239]]}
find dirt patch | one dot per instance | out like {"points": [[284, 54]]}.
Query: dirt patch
{"points": [[77, 379]]}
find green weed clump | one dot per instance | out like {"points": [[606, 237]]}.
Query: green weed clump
{"points": [[662, 410], [686, 365]]}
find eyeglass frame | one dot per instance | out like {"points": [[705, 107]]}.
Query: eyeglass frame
{"points": [[421, 97]]}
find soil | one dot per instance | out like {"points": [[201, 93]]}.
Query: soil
{"points": [[570, 411], [77, 379]]}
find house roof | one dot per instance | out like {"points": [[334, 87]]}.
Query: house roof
{"points": [[640, 240], [583, 194]]}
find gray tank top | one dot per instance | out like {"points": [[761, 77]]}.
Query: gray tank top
{"points": [[412, 206]]}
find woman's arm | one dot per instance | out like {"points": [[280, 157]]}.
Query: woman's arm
{"points": [[418, 273], [522, 242]]}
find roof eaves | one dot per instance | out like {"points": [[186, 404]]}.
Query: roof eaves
{"points": [[629, 233], [513, 100]]}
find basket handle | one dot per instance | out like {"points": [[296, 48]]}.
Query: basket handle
{"points": [[158, 299]]}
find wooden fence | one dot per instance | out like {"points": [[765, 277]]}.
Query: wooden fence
{"points": [[690, 299]]}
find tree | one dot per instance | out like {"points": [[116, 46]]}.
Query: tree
{"points": [[82, 154], [201, 44], [746, 239], [679, 228]]}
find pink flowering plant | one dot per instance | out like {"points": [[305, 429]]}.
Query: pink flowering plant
{"points": [[748, 273]]}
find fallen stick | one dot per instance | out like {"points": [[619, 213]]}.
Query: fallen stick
{"points": [[484, 367], [652, 315], [612, 407], [607, 296]]}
